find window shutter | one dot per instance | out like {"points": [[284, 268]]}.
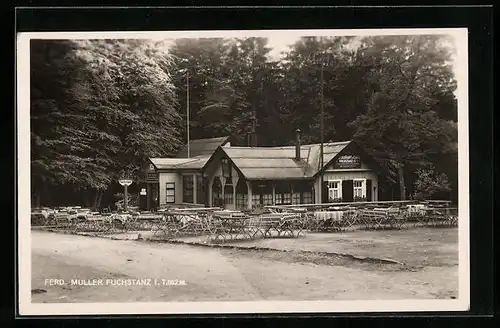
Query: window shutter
{"points": [[369, 190], [324, 192], [347, 190]]}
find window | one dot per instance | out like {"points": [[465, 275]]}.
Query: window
{"points": [[187, 189], [262, 193], [241, 201], [170, 193], [200, 189], [359, 189], [217, 193], [228, 194], [226, 168], [255, 200], [307, 197], [334, 190], [302, 192], [267, 199], [283, 193], [241, 194]]}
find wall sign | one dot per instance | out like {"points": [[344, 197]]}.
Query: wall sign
{"points": [[151, 177], [348, 162]]}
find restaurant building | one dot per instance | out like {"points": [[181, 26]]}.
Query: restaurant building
{"points": [[214, 173]]}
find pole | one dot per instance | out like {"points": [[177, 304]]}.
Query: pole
{"points": [[187, 113], [125, 199], [322, 127]]}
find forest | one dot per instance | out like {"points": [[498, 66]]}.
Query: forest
{"points": [[100, 108]]}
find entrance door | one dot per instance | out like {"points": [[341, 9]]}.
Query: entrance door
{"points": [[152, 196], [347, 191], [228, 196]]}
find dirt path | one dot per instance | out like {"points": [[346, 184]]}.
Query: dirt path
{"points": [[213, 274]]}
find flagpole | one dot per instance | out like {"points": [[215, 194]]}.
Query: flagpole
{"points": [[322, 127], [187, 113]]}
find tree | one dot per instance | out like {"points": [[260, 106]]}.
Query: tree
{"points": [[62, 132], [402, 126], [227, 78], [210, 90], [100, 108], [303, 65]]}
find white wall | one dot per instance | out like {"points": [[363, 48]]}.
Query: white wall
{"points": [[345, 175], [174, 177]]}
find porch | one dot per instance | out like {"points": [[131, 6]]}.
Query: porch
{"points": [[241, 193]]}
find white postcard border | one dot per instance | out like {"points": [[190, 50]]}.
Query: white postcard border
{"points": [[23, 172]]}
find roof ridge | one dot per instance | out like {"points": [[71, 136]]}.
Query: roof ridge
{"points": [[211, 138], [289, 146]]}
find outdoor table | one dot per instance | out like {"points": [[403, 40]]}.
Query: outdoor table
{"points": [[441, 216], [93, 223], [374, 218], [191, 222], [283, 223], [116, 223], [227, 227], [146, 221], [329, 220]]}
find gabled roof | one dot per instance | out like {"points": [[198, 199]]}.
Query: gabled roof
{"points": [[197, 162], [199, 147], [261, 163]]}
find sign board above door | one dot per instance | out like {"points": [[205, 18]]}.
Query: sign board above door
{"points": [[348, 162], [152, 177]]}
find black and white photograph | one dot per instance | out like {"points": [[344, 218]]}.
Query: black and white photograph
{"points": [[243, 171]]}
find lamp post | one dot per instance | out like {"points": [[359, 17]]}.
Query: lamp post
{"points": [[186, 61], [319, 57], [187, 113], [125, 183]]}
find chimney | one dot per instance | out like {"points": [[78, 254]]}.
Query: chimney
{"points": [[297, 145]]}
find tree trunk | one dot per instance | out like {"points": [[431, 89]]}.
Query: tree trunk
{"points": [[36, 199], [37, 195], [87, 196], [98, 205], [46, 200], [96, 198], [402, 188]]}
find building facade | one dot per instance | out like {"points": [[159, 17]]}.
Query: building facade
{"points": [[218, 174]]}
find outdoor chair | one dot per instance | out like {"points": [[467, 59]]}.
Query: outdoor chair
{"points": [[230, 226], [350, 218], [378, 218], [283, 224]]}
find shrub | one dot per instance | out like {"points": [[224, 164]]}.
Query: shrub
{"points": [[430, 184]]}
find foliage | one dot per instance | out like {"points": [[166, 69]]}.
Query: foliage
{"points": [[100, 107], [430, 183], [404, 124]]}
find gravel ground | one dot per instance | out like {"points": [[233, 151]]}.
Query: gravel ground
{"points": [[211, 274]]}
